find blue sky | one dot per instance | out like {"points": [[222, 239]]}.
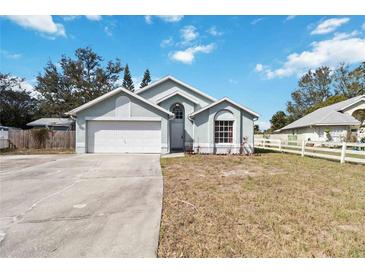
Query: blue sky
{"points": [[255, 60]]}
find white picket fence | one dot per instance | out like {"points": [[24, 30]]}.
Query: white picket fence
{"points": [[343, 152]]}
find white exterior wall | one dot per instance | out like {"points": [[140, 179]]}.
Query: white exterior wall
{"points": [[204, 130], [118, 107], [315, 133], [169, 87]]}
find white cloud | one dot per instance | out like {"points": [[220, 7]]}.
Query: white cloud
{"points": [[171, 18], [188, 33], [89, 17], [187, 56], [213, 31], [108, 31], [290, 17], [94, 17], [259, 67], [166, 42], [69, 17], [9, 55], [232, 81], [330, 25], [148, 19], [41, 23], [257, 20], [342, 48], [165, 18]]}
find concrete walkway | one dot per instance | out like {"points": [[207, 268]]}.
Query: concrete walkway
{"points": [[80, 205]]}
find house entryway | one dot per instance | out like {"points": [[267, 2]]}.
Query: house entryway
{"points": [[177, 128]]}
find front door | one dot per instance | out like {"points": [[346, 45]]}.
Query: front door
{"points": [[177, 128]]}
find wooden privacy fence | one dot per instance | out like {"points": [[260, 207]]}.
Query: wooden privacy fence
{"points": [[56, 139], [343, 152]]}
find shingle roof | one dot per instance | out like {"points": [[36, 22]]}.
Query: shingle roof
{"points": [[329, 115], [51, 122]]}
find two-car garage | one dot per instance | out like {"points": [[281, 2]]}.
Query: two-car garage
{"points": [[121, 121], [124, 136]]}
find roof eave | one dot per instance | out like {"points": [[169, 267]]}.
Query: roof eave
{"points": [[169, 77], [256, 115], [112, 93]]}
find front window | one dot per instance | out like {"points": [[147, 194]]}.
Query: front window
{"points": [[223, 132], [178, 111]]}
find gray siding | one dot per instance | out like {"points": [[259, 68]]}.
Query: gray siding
{"points": [[204, 128], [188, 109], [168, 87], [109, 109]]}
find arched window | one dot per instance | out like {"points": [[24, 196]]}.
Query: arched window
{"points": [[178, 110], [223, 127]]}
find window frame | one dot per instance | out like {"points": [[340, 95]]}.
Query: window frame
{"points": [[180, 112], [223, 131]]}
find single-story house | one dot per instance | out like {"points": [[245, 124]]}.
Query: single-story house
{"points": [[53, 123], [167, 115], [331, 123]]}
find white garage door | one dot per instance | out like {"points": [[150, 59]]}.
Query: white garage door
{"points": [[124, 137]]}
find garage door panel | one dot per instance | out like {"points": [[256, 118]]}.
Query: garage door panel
{"points": [[124, 137]]}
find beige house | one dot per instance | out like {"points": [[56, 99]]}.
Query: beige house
{"points": [[332, 123]]}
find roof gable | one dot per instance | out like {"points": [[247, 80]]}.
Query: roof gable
{"points": [[112, 93], [177, 93], [171, 78], [329, 115], [225, 99]]}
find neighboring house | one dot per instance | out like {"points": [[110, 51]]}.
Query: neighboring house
{"points": [[331, 123], [53, 123], [4, 137], [165, 116]]}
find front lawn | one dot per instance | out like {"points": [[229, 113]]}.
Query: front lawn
{"points": [[273, 205]]}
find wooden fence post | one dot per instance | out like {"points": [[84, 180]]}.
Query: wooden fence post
{"points": [[303, 147], [343, 152], [280, 145]]}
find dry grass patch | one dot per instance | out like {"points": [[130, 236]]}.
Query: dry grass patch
{"points": [[273, 205], [33, 151]]}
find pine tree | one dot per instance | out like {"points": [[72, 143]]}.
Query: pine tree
{"points": [[146, 79], [127, 80]]}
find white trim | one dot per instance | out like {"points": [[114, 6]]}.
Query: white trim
{"points": [[114, 92], [145, 119], [335, 124], [169, 77], [220, 101], [362, 98], [177, 93]]}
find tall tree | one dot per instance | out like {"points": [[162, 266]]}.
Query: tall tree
{"points": [[330, 101], [349, 83], [127, 79], [146, 79], [313, 88], [75, 81], [17, 106], [278, 120]]}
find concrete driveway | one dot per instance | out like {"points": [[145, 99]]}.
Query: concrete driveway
{"points": [[80, 205]]}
